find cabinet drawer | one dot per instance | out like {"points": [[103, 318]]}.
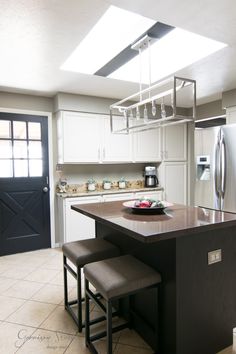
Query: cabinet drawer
{"points": [[114, 197]]}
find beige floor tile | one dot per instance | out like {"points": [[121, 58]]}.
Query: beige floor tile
{"points": [[32, 313], [126, 349], [6, 283], [228, 350], [23, 289], [130, 337], [8, 305], [4, 266], [45, 342], [77, 346], [17, 271], [42, 275], [50, 293], [60, 321], [54, 263], [13, 336], [59, 280]]}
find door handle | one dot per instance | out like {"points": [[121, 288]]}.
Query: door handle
{"points": [[45, 189], [223, 166], [216, 174]]}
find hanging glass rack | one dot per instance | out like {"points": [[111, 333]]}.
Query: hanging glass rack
{"points": [[156, 106]]}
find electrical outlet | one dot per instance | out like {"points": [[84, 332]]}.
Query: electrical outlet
{"points": [[214, 256]]}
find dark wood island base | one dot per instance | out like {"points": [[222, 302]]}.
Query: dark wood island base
{"points": [[197, 301]]}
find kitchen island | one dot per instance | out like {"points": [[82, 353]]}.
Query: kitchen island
{"points": [[197, 300]]}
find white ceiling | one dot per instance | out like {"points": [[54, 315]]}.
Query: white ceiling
{"points": [[37, 36]]}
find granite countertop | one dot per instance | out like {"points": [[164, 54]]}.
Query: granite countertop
{"points": [[178, 220], [107, 191]]}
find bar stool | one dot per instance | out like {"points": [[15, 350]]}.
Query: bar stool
{"points": [[80, 253], [114, 279]]}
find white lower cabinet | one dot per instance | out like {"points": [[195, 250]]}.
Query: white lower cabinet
{"points": [[76, 226], [114, 197]]}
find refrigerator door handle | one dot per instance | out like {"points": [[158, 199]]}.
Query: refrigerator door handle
{"points": [[217, 169], [223, 166]]}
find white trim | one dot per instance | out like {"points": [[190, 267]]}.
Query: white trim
{"points": [[50, 158]]}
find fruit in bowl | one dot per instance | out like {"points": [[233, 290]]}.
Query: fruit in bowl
{"points": [[148, 203]]}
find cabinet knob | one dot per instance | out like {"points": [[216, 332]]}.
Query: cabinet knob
{"points": [[45, 189]]}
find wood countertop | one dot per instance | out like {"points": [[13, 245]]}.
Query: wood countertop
{"points": [[178, 220]]}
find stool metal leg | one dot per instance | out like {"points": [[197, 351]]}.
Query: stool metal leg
{"points": [[79, 297], [109, 327], [65, 282], [87, 311]]}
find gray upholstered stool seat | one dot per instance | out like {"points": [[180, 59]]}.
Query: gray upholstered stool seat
{"points": [[115, 278], [89, 250], [120, 275], [80, 253]]}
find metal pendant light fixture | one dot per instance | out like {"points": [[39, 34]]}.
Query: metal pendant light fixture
{"points": [[140, 110]]}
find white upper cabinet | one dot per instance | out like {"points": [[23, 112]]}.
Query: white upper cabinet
{"points": [[79, 138], [175, 142], [147, 146], [116, 147], [86, 138]]}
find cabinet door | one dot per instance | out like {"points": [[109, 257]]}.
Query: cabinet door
{"points": [[116, 147], [175, 142], [155, 195], [175, 182], [81, 138], [147, 146], [77, 225], [114, 197]]}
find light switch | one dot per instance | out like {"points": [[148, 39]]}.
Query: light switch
{"points": [[214, 256]]}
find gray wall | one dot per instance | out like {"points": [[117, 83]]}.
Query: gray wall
{"points": [[229, 98], [26, 102], [211, 109], [82, 103]]}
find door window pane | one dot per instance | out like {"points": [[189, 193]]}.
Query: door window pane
{"points": [[21, 168], [5, 129], [5, 149], [19, 130], [35, 149], [35, 168], [20, 149], [34, 130], [6, 168]]}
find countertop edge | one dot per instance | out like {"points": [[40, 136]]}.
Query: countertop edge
{"points": [[108, 192]]}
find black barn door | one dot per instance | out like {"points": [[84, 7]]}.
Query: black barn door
{"points": [[24, 184]]}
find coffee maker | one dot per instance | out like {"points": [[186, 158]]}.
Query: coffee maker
{"points": [[150, 175]]}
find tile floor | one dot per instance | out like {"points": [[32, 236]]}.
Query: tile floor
{"points": [[32, 315]]}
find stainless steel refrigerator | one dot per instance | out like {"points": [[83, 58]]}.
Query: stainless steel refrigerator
{"points": [[215, 154]]}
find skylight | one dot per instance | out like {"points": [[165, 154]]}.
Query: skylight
{"points": [[115, 30], [175, 51]]}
